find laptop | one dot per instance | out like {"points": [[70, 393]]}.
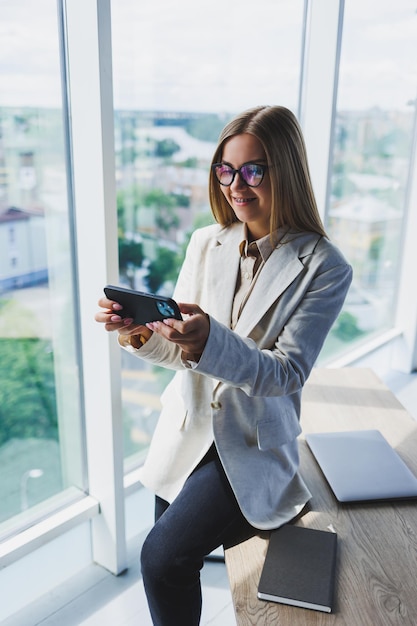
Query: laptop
{"points": [[362, 466]]}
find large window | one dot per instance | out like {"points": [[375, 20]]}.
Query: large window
{"points": [[40, 426], [373, 137], [181, 70]]}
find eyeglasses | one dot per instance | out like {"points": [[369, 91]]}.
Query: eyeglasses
{"points": [[252, 174]]}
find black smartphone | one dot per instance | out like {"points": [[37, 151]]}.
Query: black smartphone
{"points": [[142, 307]]}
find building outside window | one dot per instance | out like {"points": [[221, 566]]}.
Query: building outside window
{"points": [[40, 426], [370, 169]]}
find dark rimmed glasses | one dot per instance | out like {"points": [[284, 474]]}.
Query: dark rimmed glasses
{"points": [[252, 174]]}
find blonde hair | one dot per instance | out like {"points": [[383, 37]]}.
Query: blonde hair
{"points": [[293, 201]]}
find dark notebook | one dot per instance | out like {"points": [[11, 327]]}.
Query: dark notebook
{"points": [[299, 568]]}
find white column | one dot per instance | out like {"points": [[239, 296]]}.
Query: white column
{"points": [[319, 88], [405, 352], [89, 68]]}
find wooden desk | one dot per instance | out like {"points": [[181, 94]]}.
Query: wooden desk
{"points": [[376, 579]]}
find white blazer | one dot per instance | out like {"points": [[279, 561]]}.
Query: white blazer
{"points": [[245, 392]]}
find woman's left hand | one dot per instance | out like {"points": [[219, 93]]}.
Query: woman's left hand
{"points": [[189, 334]]}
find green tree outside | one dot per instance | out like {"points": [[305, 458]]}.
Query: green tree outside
{"points": [[27, 391], [164, 268]]}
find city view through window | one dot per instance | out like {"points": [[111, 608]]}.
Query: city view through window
{"points": [[374, 126], [170, 106], [163, 159], [174, 90], [40, 412]]}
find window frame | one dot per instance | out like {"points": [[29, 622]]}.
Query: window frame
{"points": [[87, 28]]}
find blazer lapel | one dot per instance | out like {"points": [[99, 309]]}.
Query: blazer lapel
{"points": [[224, 263], [281, 269]]}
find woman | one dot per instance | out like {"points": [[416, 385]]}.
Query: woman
{"points": [[258, 291]]}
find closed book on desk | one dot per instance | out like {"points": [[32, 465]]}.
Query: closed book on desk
{"points": [[299, 568]]}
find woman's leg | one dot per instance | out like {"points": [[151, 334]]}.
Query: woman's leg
{"points": [[203, 516]]}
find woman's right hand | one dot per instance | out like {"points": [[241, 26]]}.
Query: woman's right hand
{"points": [[112, 320]]}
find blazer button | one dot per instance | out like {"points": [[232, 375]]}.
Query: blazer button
{"points": [[216, 405]]}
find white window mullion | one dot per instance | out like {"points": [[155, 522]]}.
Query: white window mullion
{"points": [[405, 353], [318, 91], [89, 69]]}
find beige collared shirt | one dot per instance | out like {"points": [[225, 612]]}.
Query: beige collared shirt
{"points": [[253, 257]]}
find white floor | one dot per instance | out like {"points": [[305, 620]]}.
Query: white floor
{"points": [[96, 598]]}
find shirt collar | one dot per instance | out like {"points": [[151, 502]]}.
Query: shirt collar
{"points": [[263, 244]]}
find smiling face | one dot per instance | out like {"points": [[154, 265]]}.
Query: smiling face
{"points": [[251, 205]]}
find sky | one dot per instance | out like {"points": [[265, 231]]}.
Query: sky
{"points": [[206, 56]]}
